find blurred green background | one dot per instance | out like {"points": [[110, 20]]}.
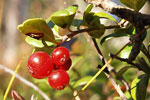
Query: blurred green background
{"points": [[85, 58]]}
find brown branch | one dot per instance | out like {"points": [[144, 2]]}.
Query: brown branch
{"points": [[108, 75], [126, 60], [136, 18], [73, 33]]}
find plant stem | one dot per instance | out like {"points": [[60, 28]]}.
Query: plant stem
{"points": [[12, 78]]}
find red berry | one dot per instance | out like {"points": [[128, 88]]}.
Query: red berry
{"points": [[40, 65], [58, 79], [65, 66], [60, 55]]}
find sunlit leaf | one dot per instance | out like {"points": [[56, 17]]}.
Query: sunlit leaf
{"points": [[64, 18], [37, 43], [134, 4], [82, 81], [88, 8], [37, 28], [126, 51], [139, 87]]}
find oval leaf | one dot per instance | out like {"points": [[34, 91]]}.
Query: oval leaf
{"points": [[97, 33], [88, 8], [126, 51], [119, 32], [82, 81], [64, 18], [139, 87], [37, 43], [105, 15], [134, 4], [37, 27]]}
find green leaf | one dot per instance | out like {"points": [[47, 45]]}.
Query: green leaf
{"points": [[88, 8], [64, 18], [119, 32], [97, 33], [82, 81], [126, 51], [139, 87], [37, 43], [121, 72], [92, 21], [54, 29], [134, 4], [44, 49], [37, 28], [105, 15], [110, 36], [77, 22]]}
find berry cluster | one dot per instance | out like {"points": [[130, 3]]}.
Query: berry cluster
{"points": [[41, 65]]}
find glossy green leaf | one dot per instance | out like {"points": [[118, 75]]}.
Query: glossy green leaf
{"points": [[126, 51], [64, 18], [37, 43], [105, 15], [88, 8], [37, 26], [121, 72], [119, 32], [92, 21], [82, 81], [87, 18], [134, 4], [139, 87], [110, 36], [97, 33]]}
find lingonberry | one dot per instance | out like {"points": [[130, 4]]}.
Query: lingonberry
{"points": [[58, 79], [65, 66], [40, 65], [60, 55]]}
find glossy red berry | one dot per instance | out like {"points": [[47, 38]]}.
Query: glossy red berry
{"points": [[60, 55], [40, 65], [58, 79], [65, 66]]}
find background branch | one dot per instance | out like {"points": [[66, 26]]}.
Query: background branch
{"points": [[136, 18], [28, 83]]}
